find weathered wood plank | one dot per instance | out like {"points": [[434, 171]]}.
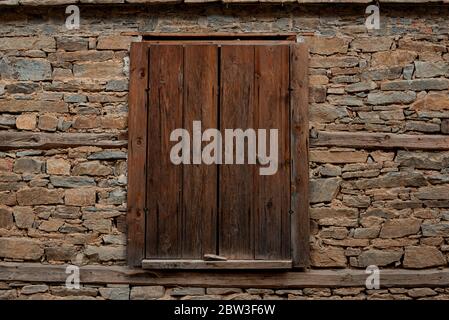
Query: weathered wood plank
{"points": [[236, 209], [199, 180], [138, 108], [229, 264], [368, 140], [96, 274], [164, 178], [272, 192], [299, 105], [41, 140]]}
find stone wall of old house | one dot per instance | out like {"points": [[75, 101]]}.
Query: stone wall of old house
{"points": [[388, 208]]}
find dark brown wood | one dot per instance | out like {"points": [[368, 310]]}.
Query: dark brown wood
{"points": [[199, 180], [236, 208], [222, 36], [41, 140], [97, 274], [299, 149], [164, 179], [229, 264], [369, 140], [272, 192], [137, 152]]}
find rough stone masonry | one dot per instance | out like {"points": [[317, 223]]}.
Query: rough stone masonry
{"points": [[388, 208]]}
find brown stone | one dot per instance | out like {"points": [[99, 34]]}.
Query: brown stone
{"points": [[98, 70], [6, 164], [38, 195], [333, 212], [48, 123], [51, 225], [91, 168], [393, 58], [432, 102], [24, 217], [17, 106], [114, 42], [324, 156], [397, 228], [327, 46], [26, 122], [6, 218], [58, 166], [433, 193], [372, 44], [60, 252], [423, 257], [329, 257], [80, 197], [16, 248]]}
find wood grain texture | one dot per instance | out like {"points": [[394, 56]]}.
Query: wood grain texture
{"points": [[229, 264], [164, 179], [199, 205], [135, 217], [40, 140], [272, 192], [236, 208], [370, 140], [299, 105], [97, 274]]}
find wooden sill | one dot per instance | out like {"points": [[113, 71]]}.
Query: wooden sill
{"points": [[228, 264]]}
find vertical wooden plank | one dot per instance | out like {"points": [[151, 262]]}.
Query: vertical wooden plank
{"points": [[200, 180], [272, 200], [137, 124], [236, 212], [164, 179], [299, 105]]}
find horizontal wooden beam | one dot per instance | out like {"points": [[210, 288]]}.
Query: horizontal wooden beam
{"points": [[369, 140], [228, 264], [40, 140], [96, 274]]}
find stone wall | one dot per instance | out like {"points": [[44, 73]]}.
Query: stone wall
{"points": [[384, 207]]}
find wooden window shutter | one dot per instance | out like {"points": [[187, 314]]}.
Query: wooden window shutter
{"points": [[178, 214]]}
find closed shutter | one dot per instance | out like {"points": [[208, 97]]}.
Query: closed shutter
{"points": [[196, 210]]}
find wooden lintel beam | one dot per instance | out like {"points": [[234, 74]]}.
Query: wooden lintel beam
{"points": [[370, 140], [96, 274], [40, 140]]}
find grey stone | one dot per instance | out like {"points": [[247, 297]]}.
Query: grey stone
{"points": [[361, 86], [425, 69], [27, 165], [393, 179], [33, 69], [423, 160], [440, 229], [408, 71], [117, 85], [32, 289], [422, 126], [188, 291], [416, 85], [72, 182], [382, 74], [433, 193], [323, 190], [381, 98], [379, 257], [119, 293], [107, 155], [75, 98], [147, 292], [22, 87]]}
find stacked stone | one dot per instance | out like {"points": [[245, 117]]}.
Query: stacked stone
{"points": [[22, 291], [389, 208]]}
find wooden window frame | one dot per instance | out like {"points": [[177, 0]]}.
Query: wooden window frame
{"points": [[137, 151]]}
